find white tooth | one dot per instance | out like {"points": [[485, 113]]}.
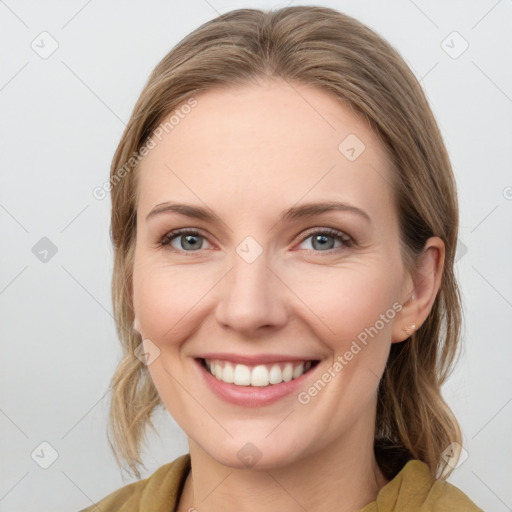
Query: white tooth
{"points": [[259, 376], [228, 374], [242, 375], [299, 370], [275, 375], [288, 372], [217, 369]]}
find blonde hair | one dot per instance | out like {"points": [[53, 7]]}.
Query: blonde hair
{"points": [[327, 49]]}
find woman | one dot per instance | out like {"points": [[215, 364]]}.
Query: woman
{"points": [[284, 221]]}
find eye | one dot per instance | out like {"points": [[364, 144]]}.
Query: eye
{"points": [[187, 240], [324, 240]]}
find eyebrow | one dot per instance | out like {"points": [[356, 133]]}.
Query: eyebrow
{"points": [[295, 212]]}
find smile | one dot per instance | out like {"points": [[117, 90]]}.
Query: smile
{"points": [[260, 375]]}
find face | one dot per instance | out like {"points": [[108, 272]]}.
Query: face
{"points": [[293, 307]]}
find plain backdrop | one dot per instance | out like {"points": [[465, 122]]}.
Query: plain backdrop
{"points": [[70, 74]]}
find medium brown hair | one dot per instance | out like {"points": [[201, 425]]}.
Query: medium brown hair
{"points": [[324, 48]]}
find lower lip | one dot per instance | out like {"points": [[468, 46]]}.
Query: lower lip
{"points": [[252, 396]]}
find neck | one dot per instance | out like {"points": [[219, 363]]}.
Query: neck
{"points": [[342, 477]]}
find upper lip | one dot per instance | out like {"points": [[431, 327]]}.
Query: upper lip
{"points": [[254, 359]]}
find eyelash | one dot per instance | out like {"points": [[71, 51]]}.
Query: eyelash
{"points": [[346, 240]]}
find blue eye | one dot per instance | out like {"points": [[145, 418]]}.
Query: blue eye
{"points": [[324, 240], [188, 240]]}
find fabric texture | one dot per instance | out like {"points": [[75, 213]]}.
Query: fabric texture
{"points": [[412, 490]]}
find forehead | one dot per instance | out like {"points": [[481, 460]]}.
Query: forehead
{"points": [[268, 145]]}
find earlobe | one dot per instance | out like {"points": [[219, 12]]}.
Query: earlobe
{"points": [[409, 329], [405, 325], [404, 331]]}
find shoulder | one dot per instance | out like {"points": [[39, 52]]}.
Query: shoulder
{"points": [[414, 489], [158, 492], [444, 496]]}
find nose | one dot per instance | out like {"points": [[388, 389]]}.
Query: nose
{"points": [[252, 297]]}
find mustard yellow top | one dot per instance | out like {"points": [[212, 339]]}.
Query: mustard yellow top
{"points": [[412, 490]]}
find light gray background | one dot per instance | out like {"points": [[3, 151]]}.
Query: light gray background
{"points": [[61, 120]]}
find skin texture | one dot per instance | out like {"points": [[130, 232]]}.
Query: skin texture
{"points": [[248, 153]]}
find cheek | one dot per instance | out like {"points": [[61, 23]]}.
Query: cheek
{"points": [[348, 300], [166, 299], [357, 309]]}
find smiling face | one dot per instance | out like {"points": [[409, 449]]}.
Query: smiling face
{"points": [[257, 277]]}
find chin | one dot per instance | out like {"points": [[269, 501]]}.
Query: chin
{"points": [[241, 453]]}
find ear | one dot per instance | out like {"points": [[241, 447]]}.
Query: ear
{"points": [[420, 290]]}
